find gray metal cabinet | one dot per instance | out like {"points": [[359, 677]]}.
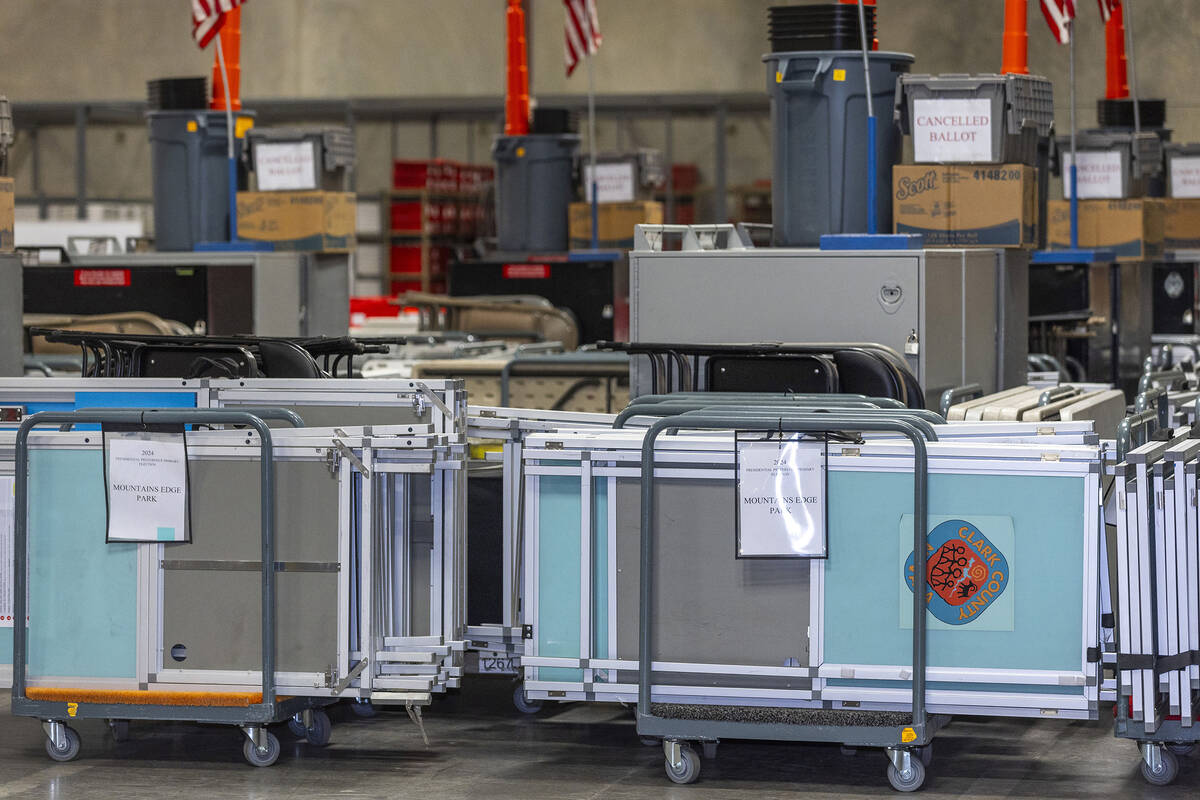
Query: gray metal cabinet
{"points": [[959, 316]]}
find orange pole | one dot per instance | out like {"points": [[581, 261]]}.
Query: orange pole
{"points": [[1116, 83], [1015, 57], [875, 41], [516, 98], [231, 47]]}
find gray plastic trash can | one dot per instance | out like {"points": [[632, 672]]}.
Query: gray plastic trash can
{"points": [[819, 141], [190, 173], [534, 186]]}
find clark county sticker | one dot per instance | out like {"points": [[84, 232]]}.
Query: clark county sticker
{"points": [[964, 572]]}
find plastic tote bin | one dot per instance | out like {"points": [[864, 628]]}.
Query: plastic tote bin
{"points": [[819, 141], [190, 171], [534, 182], [1021, 110]]}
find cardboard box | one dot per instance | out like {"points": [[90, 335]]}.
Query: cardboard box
{"points": [[959, 205], [1181, 224], [316, 221], [616, 221], [7, 208], [1133, 228]]}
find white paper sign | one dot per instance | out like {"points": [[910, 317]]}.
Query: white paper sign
{"points": [[952, 130], [1185, 176], [614, 183], [781, 499], [285, 166], [1099, 175], [147, 488]]}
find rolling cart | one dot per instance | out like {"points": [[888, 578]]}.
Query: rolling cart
{"points": [[108, 694], [906, 737]]}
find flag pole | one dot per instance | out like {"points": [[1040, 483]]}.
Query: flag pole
{"points": [[233, 226], [593, 192], [1074, 156]]}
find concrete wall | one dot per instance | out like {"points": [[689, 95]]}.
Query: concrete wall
{"points": [[107, 49]]}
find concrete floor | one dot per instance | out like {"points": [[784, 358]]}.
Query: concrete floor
{"points": [[481, 749]]}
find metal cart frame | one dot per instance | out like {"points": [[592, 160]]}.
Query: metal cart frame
{"points": [[905, 744], [261, 747]]}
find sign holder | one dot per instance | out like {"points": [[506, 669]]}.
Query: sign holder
{"points": [[799, 466], [152, 434]]}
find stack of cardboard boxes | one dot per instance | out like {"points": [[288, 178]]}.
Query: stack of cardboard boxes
{"points": [[624, 201], [970, 182], [292, 209]]}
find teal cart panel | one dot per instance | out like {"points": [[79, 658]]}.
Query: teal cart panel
{"points": [[559, 563], [82, 591], [1042, 526]]}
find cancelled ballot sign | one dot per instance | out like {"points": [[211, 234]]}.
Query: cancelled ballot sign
{"points": [[146, 483], [781, 498], [953, 130]]}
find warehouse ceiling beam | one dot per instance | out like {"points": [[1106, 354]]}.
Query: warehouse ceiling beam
{"points": [[369, 109]]}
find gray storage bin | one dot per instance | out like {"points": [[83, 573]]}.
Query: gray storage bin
{"points": [[534, 186], [333, 152], [1172, 151], [189, 167], [1141, 156], [819, 142], [1022, 108]]}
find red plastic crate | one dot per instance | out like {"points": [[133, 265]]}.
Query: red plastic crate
{"points": [[416, 216], [416, 174], [685, 178], [407, 259], [401, 286], [374, 306]]}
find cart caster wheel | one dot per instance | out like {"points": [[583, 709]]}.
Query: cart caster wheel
{"points": [[925, 752], [70, 749], [261, 758], [709, 749], [296, 727], [363, 709], [321, 731], [1168, 769], [119, 729], [689, 769], [908, 781], [523, 703], [1182, 748], [649, 741]]}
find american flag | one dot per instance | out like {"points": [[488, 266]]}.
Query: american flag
{"points": [[207, 18], [583, 31], [1058, 14], [1107, 7]]}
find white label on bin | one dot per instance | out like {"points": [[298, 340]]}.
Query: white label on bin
{"points": [[1098, 177], [1185, 176], [285, 166], [614, 183], [952, 130], [781, 498]]}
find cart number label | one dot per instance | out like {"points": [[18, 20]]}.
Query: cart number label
{"points": [[965, 572], [908, 735], [72, 708], [501, 665]]}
